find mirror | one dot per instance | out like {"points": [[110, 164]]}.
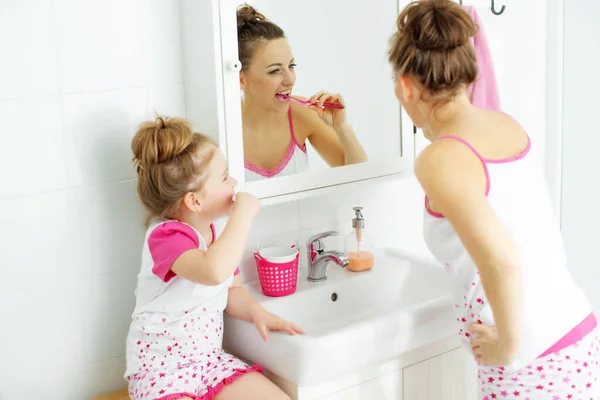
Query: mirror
{"points": [[335, 46]]}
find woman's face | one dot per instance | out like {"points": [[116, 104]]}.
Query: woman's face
{"points": [[271, 73], [218, 189]]}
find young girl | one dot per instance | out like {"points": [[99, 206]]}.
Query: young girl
{"points": [[189, 273], [276, 129], [490, 221]]}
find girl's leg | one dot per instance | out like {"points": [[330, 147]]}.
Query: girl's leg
{"points": [[252, 386]]}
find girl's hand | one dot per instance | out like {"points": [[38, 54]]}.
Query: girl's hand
{"points": [[246, 203], [265, 322], [487, 347], [333, 117]]}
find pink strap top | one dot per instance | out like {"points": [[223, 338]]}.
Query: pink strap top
{"points": [[294, 161], [517, 192]]}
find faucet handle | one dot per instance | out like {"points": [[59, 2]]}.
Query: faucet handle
{"points": [[315, 242]]}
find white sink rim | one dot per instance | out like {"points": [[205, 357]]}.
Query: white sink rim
{"points": [[300, 359]]}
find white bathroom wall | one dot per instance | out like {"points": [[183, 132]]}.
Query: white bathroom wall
{"points": [[581, 141], [392, 212], [76, 78]]}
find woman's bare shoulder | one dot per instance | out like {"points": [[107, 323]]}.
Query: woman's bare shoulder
{"points": [[305, 120]]}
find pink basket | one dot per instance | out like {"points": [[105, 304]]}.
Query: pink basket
{"points": [[277, 279]]}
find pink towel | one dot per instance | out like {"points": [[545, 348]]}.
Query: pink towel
{"points": [[483, 93]]}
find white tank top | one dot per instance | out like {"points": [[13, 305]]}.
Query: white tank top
{"points": [[295, 160], [553, 303]]}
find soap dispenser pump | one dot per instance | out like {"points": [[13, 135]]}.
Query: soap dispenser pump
{"points": [[358, 245]]}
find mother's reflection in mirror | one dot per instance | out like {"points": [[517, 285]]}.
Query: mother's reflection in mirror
{"points": [[275, 128]]}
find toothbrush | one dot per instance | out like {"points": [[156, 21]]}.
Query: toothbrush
{"points": [[309, 103]]}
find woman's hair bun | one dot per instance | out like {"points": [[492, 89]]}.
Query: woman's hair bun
{"points": [[437, 25], [247, 14]]}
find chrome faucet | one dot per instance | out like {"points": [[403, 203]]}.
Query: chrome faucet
{"points": [[318, 258]]}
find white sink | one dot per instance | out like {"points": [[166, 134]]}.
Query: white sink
{"points": [[403, 303]]}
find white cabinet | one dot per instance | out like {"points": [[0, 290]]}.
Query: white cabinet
{"points": [[386, 387], [449, 376]]}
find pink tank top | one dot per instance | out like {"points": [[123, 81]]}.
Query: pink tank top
{"points": [[294, 161]]}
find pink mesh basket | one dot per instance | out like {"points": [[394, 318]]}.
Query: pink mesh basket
{"points": [[277, 279]]}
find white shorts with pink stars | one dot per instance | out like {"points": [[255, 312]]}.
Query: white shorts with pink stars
{"points": [[571, 373]]}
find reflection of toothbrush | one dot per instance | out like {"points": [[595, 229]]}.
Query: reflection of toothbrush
{"points": [[309, 103]]}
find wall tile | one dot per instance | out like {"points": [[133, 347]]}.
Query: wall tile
{"points": [[98, 129], [164, 56], [27, 38], [33, 160], [106, 224], [45, 332], [35, 240], [101, 44], [111, 300]]}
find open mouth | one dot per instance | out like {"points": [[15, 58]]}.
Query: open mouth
{"points": [[283, 96]]}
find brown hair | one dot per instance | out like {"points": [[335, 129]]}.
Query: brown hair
{"points": [[171, 160], [432, 46], [253, 30]]}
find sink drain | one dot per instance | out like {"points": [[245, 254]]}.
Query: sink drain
{"points": [[333, 296]]}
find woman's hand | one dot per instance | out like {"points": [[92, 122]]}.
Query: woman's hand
{"points": [[334, 117], [487, 347], [265, 322]]}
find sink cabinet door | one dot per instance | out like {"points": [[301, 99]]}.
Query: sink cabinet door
{"points": [[449, 376], [385, 387]]}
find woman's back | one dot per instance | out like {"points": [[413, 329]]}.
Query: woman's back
{"points": [[517, 192], [495, 135]]}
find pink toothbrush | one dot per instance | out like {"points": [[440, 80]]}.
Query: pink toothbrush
{"points": [[308, 103]]}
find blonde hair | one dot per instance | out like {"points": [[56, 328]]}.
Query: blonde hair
{"points": [[171, 160]]}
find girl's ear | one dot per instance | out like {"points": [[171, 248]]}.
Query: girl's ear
{"points": [[192, 202]]}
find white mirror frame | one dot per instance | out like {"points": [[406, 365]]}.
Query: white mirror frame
{"points": [[295, 186]]}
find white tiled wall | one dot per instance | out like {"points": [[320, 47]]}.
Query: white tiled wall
{"points": [[75, 80], [392, 213], [80, 77]]}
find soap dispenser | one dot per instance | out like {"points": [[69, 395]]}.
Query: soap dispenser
{"points": [[358, 245]]}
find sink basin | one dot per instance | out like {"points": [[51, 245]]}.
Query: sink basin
{"points": [[351, 320]]}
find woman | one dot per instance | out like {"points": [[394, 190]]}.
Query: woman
{"points": [[275, 128], [489, 220]]}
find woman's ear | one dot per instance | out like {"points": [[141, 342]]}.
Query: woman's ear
{"points": [[191, 201], [405, 89], [242, 80]]}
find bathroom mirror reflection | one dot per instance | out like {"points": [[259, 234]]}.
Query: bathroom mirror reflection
{"points": [[301, 61]]}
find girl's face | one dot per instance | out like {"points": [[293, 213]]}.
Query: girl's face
{"points": [[215, 198], [270, 73]]}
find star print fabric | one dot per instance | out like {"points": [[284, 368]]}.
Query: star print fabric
{"points": [[569, 374]]}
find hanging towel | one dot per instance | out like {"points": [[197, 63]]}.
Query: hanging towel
{"points": [[483, 93]]}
